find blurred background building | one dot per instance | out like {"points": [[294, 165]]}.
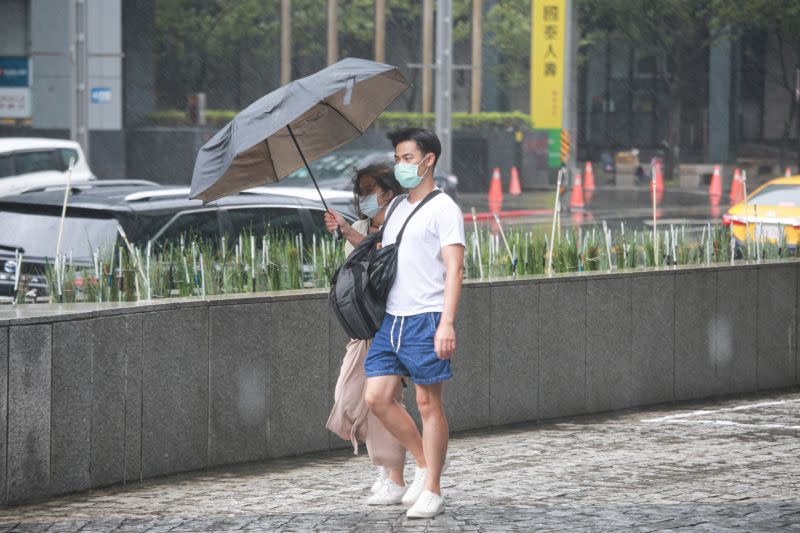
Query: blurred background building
{"points": [[695, 82]]}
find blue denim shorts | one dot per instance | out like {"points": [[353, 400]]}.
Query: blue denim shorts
{"points": [[403, 346]]}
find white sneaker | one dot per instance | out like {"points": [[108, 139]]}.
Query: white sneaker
{"points": [[416, 488], [382, 473], [428, 505], [389, 494]]}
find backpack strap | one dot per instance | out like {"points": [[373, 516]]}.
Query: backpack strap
{"points": [[395, 202], [425, 200]]}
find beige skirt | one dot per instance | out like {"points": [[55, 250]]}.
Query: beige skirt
{"points": [[350, 418]]}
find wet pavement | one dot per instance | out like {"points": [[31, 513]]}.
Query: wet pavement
{"points": [[631, 206], [712, 466]]}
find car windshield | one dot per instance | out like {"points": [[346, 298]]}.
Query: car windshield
{"points": [[37, 234], [331, 166], [778, 196]]}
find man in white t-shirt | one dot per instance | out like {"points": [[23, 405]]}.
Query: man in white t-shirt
{"points": [[417, 337]]}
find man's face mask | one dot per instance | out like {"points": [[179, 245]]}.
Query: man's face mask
{"points": [[406, 174]]}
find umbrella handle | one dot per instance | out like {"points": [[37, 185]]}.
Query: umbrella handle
{"points": [[337, 233]]}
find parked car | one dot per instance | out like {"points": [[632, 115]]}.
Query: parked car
{"points": [[772, 209], [337, 170], [27, 162], [147, 212]]}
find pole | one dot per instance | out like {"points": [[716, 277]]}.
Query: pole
{"points": [[79, 129], [655, 228], [313, 179], [477, 241], [286, 41], [333, 45], [477, 55], [380, 31], [444, 81], [746, 217], [427, 54], [553, 230], [61, 225]]}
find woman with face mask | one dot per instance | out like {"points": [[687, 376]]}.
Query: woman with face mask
{"points": [[374, 188]]}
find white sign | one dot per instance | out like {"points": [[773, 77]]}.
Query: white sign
{"points": [[15, 102]]}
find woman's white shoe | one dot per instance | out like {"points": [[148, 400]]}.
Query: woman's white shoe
{"points": [[389, 494], [382, 474]]}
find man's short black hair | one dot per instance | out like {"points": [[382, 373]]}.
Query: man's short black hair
{"points": [[426, 140]]}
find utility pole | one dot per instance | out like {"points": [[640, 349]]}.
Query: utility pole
{"points": [[444, 81], [477, 55], [380, 31], [333, 45], [79, 123], [427, 54], [286, 41]]}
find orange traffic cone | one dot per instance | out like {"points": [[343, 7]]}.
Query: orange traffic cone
{"points": [[588, 183], [715, 188], [576, 198], [495, 192], [588, 177], [737, 192], [514, 188]]}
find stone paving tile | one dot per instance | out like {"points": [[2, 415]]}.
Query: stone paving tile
{"points": [[728, 465]]}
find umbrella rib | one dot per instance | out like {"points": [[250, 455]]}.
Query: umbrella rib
{"points": [[272, 161], [344, 117]]}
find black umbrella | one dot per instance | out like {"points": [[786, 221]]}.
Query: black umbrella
{"points": [[300, 122]]}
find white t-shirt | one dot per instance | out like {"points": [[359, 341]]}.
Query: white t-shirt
{"points": [[419, 285]]}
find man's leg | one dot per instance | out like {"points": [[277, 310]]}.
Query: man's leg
{"points": [[435, 431], [381, 400]]}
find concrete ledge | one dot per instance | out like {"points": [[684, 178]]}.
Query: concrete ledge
{"points": [[114, 393]]}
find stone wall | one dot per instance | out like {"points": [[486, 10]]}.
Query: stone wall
{"points": [[99, 394]]}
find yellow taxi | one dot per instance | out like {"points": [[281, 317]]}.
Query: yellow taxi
{"points": [[772, 211]]}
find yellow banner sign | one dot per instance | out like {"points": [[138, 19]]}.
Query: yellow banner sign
{"points": [[548, 32]]}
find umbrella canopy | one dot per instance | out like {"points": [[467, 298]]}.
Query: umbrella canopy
{"points": [[302, 121]]}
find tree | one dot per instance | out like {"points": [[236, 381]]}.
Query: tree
{"points": [[679, 32], [778, 20]]}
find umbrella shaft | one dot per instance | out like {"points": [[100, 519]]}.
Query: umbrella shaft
{"points": [[308, 168]]}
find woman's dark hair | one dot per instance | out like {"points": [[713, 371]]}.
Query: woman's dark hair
{"points": [[426, 140], [384, 178]]}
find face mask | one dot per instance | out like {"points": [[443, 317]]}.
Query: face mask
{"points": [[406, 174], [369, 205]]}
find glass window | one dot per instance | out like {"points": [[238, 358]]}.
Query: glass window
{"points": [[203, 224], [36, 161], [778, 196], [66, 155], [6, 166], [37, 234], [260, 220]]}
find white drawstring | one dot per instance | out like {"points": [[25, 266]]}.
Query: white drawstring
{"points": [[399, 335], [391, 334]]}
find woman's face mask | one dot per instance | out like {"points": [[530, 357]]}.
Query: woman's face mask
{"points": [[369, 205]]}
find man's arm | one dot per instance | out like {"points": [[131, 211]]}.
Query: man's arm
{"points": [[444, 342]]}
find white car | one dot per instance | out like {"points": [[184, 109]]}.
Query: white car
{"points": [[31, 162]]}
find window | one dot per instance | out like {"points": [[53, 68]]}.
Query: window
{"points": [[37, 234], [6, 166], [66, 155], [260, 220], [203, 224], [38, 161], [778, 196]]}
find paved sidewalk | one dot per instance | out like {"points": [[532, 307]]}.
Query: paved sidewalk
{"points": [[714, 466]]}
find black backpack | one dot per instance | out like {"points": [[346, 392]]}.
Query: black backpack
{"points": [[360, 287]]}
